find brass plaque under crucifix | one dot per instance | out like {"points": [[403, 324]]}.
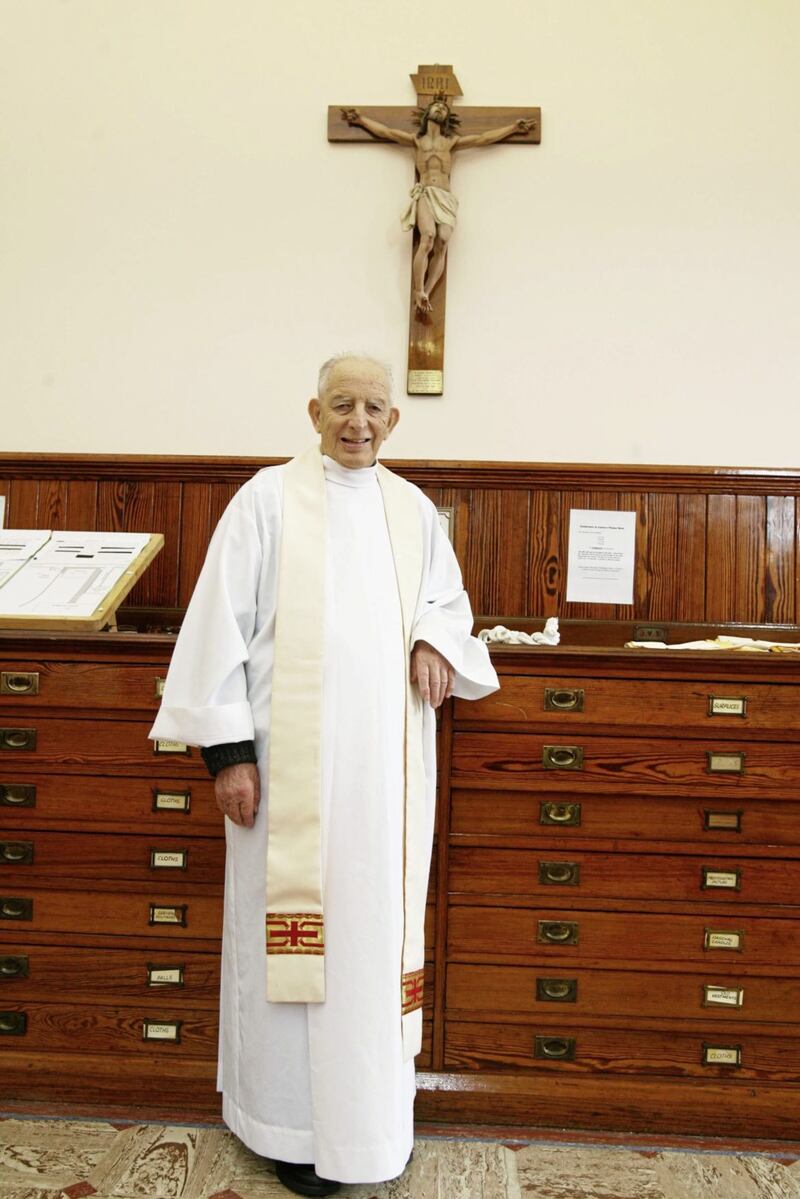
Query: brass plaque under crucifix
{"points": [[435, 130]]}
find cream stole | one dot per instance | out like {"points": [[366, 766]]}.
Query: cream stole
{"points": [[295, 918]]}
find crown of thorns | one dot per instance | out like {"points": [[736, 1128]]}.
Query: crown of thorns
{"points": [[421, 115]]}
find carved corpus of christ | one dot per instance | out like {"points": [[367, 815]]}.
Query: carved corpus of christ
{"points": [[434, 131]]}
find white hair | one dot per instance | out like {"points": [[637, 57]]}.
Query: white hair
{"points": [[327, 367]]}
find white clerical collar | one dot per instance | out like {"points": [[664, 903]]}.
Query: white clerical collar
{"points": [[363, 476]]}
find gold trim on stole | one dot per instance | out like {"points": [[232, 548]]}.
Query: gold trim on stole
{"points": [[295, 932], [413, 990]]}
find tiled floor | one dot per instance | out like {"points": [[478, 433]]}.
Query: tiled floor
{"points": [[72, 1159]]}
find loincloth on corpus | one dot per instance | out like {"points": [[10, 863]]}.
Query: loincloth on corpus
{"points": [[444, 205]]}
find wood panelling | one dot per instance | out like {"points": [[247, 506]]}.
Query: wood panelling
{"points": [[713, 545]]}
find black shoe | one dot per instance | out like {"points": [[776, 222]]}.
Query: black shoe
{"points": [[304, 1180]]}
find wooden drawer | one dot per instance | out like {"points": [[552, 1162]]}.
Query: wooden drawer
{"points": [[578, 702], [625, 876], [32, 685], [122, 976], [106, 746], [565, 936], [26, 910], [183, 805], [94, 856], [521, 761], [84, 1028], [547, 816], [718, 996], [470, 1046]]}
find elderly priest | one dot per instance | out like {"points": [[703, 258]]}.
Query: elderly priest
{"points": [[328, 622]]}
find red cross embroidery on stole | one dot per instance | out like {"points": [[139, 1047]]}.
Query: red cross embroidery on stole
{"points": [[413, 988], [295, 932]]}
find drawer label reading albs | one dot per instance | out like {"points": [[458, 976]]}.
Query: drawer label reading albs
{"points": [[722, 939], [172, 801], [714, 996], [727, 705], [169, 859], [164, 1031], [722, 1055], [160, 976]]}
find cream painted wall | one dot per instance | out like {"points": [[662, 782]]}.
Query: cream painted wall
{"points": [[181, 246]]}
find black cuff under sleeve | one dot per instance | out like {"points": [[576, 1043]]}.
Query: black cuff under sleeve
{"points": [[217, 757]]}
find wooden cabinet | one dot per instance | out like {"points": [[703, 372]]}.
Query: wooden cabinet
{"points": [[620, 862], [613, 926], [111, 872]]}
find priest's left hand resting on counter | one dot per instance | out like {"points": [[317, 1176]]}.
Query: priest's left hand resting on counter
{"points": [[328, 622]]}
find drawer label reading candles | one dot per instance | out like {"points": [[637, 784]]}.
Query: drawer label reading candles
{"points": [[163, 914], [169, 859], [153, 1030], [721, 939], [171, 801], [727, 705], [722, 1055], [165, 976], [714, 996], [724, 880]]}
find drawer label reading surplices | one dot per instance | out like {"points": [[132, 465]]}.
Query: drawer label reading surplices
{"points": [[727, 705]]}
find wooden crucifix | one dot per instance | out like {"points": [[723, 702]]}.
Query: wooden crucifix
{"points": [[435, 131]]}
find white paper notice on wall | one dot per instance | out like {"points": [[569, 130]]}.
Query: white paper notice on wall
{"points": [[600, 561]]}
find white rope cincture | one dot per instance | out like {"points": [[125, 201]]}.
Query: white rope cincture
{"points": [[500, 635]]}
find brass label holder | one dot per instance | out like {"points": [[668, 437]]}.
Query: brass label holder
{"points": [[171, 801]]}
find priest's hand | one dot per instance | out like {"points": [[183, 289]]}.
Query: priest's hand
{"points": [[433, 674], [237, 791]]}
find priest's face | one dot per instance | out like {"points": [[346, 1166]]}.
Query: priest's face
{"points": [[353, 415]]}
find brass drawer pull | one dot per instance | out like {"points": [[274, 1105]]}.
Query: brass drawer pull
{"points": [[558, 932], [13, 1024], [563, 699], [16, 909], [557, 990], [19, 682], [559, 874], [562, 757], [17, 738], [16, 853], [561, 1049], [559, 813], [14, 967], [17, 795]]}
